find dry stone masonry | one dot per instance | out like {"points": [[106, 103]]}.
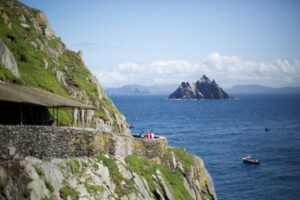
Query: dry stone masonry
{"points": [[45, 142]]}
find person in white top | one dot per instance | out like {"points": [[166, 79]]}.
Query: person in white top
{"points": [[152, 134]]}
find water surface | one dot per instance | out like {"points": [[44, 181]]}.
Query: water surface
{"points": [[221, 132]]}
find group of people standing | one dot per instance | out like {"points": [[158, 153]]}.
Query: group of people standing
{"points": [[148, 135]]}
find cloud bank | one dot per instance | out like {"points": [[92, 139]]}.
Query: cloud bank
{"points": [[226, 70]]}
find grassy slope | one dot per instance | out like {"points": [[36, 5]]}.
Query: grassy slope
{"points": [[30, 60], [147, 168]]}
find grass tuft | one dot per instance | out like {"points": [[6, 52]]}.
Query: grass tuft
{"points": [[67, 191], [93, 188], [117, 177], [39, 171], [26, 193], [49, 186]]}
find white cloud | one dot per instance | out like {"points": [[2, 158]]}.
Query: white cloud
{"points": [[226, 70]]}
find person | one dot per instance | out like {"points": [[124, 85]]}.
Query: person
{"points": [[152, 134], [148, 135], [141, 133]]}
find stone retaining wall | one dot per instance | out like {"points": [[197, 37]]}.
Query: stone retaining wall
{"points": [[46, 142]]}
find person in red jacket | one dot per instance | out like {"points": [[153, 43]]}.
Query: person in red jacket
{"points": [[148, 135]]}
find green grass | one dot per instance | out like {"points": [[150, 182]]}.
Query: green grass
{"points": [[49, 186], [26, 193], [2, 184], [205, 196], [144, 167], [181, 155], [175, 181], [147, 168], [96, 166], [29, 179], [31, 68], [117, 177], [39, 171], [84, 164], [113, 169], [93, 188], [46, 198], [6, 75], [10, 173], [75, 167], [100, 113], [67, 191]]}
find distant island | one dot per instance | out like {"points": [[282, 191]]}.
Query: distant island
{"points": [[259, 89], [141, 90], [160, 89], [202, 89]]}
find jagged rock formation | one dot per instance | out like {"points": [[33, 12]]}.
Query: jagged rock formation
{"points": [[31, 54], [202, 89], [107, 177]]}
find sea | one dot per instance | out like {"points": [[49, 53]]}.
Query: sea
{"points": [[222, 132]]}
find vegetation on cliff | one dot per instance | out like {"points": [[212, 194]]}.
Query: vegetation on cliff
{"points": [[107, 177], [43, 61], [32, 55]]}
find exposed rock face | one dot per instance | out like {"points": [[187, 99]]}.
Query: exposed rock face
{"points": [[202, 89], [70, 163], [102, 177], [48, 31], [28, 45], [8, 59]]}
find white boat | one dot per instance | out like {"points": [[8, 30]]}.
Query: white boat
{"points": [[249, 160]]}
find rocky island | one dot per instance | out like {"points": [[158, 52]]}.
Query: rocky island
{"points": [[90, 153], [202, 89]]}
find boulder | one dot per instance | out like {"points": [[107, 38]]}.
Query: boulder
{"points": [[8, 59]]}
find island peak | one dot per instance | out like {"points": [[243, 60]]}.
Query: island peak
{"points": [[202, 89]]}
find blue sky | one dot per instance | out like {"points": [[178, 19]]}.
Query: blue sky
{"points": [[166, 42]]}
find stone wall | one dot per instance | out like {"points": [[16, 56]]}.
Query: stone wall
{"points": [[47, 142]]}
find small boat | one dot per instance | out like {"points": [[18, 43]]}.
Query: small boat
{"points": [[131, 126], [267, 129], [249, 160]]}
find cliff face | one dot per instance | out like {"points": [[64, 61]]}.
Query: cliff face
{"points": [[31, 54], [177, 175], [53, 163], [202, 89], [42, 162]]}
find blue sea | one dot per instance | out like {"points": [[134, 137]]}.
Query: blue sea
{"points": [[221, 132]]}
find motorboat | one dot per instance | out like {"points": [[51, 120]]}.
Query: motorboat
{"points": [[250, 160]]}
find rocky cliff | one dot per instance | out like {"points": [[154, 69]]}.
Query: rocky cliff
{"points": [[177, 175], [202, 89], [31, 54], [54, 163], [42, 162]]}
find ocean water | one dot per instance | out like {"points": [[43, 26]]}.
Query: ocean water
{"points": [[221, 132]]}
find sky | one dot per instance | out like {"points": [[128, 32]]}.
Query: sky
{"points": [[169, 41]]}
